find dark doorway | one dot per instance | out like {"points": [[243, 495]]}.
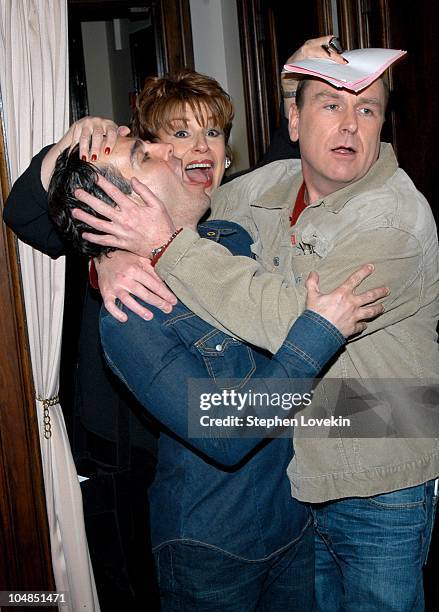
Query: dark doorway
{"points": [[143, 56], [138, 39], [270, 31]]}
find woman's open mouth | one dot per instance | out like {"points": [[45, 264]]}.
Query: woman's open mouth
{"points": [[200, 172]]}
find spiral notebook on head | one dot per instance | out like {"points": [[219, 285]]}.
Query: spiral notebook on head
{"points": [[363, 68]]}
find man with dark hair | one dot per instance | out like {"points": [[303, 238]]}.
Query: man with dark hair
{"points": [[72, 173], [212, 531], [345, 202]]}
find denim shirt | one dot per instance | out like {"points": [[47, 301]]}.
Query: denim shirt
{"points": [[229, 493]]}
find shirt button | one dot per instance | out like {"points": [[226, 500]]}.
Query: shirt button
{"points": [[218, 347], [275, 261]]}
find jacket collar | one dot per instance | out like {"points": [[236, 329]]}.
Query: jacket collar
{"points": [[284, 193], [385, 166]]}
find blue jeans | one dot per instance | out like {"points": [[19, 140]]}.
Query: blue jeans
{"points": [[200, 578], [370, 551]]}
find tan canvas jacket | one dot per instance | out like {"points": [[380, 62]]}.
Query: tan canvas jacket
{"points": [[381, 219]]}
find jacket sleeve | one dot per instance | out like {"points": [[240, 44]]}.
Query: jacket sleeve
{"points": [[233, 294], [156, 366], [26, 211], [237, 295]]}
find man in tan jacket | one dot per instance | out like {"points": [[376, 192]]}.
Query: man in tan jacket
{"points": [[345, 203]]}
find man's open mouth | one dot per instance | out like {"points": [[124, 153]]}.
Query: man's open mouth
{"points": [[200, 172], [344, 150]]}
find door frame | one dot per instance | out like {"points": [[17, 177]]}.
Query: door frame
{"points": [[260, 67], [172, 31], [25, 555]]}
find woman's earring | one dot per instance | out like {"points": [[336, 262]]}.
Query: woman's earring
{"points": [[227, 163]]}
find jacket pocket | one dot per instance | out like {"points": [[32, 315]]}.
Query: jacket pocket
{"points": [[229, 362]]}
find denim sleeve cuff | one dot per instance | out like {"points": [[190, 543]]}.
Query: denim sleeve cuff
{"points": [[313, 339]]}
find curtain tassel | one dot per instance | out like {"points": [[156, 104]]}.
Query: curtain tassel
{"points": [[47, 403]]}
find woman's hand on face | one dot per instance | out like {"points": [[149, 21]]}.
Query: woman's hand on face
{"points": [[96, 138]]}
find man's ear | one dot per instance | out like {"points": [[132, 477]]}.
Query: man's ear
{"points": [[293, 122]]}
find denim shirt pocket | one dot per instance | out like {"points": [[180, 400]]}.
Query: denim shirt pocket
{"points": [[229, 362]]}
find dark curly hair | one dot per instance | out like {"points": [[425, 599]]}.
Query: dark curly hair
{"points": [[73, 173]]}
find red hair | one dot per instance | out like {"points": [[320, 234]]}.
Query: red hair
{"points": [[163, 99]]}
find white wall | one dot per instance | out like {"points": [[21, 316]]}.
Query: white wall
{"points": [[217, 53]]}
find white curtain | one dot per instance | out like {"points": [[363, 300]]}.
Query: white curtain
{"points": [[34, 90]]}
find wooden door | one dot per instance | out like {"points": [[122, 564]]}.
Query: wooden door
{"points": [[269, 32], [414, 106], [25, 560]]}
